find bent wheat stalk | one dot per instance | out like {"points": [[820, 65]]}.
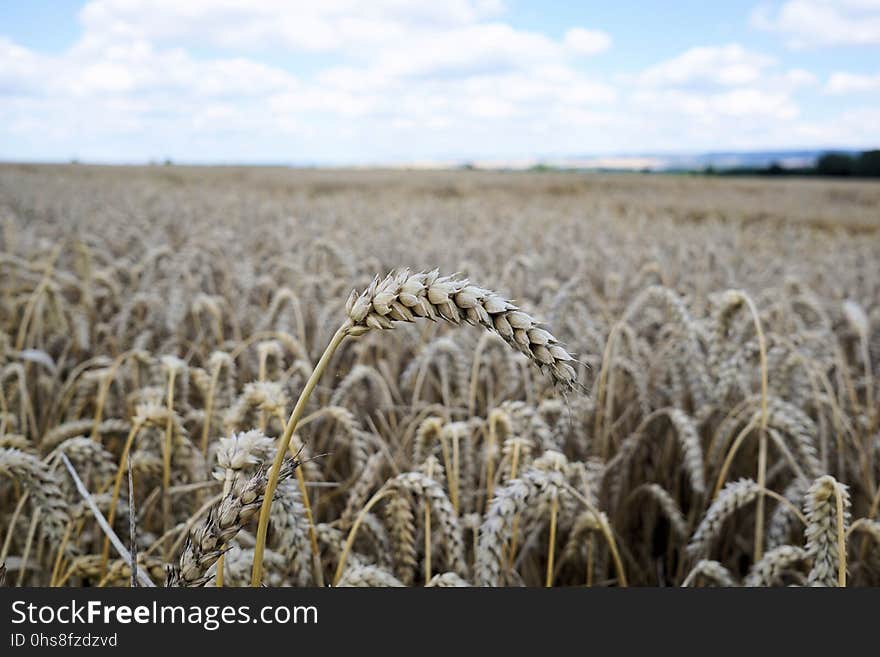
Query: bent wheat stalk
{"points": [[404, 296]]}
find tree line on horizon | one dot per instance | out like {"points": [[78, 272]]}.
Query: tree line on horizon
{"points": [[862, 165]]}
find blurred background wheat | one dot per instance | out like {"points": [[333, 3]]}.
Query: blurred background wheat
{"points": [[163, 321]]}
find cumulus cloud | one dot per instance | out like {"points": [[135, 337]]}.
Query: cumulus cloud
{"points": [[391, 64], [297, 25], [586, 42], [737, 103], [23, 72], [472, 49], [813, 23], [389, 79], [852, 128], [726, 65], [717, 97], [847, 83], [709, 82]]}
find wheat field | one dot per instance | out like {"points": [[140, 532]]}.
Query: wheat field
{"points": [[265, 376]]}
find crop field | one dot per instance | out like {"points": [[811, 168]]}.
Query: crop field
{"points": [[267, 376]]}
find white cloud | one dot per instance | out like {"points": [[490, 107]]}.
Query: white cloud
{"points": [[712, 82], [853, 128], [23, 72], [473, 49], [586, 42], [726, 65], [387, 38], [326, 26], [847, 83], [798, 77], [392, 63], [204, 80], [710, 107], [714, 97], [813, 23], [755, 102]]}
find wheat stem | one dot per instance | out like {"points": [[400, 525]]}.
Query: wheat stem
{"points": [[284, 444], [554, 510], [114, 496]]}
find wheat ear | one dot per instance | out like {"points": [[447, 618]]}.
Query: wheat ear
{"points": [[733, 496], [710, 570], [769, 569], [827, 511], [359, 576], [205, 544], [404, 296]]}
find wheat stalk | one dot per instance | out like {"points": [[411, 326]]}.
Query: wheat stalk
{"points": [[401, 297]]}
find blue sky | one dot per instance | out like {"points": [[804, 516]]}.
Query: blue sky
{"points": [[347, 82]]}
